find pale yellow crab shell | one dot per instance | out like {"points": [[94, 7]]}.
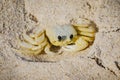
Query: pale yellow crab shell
{"points": [[64, 31]]}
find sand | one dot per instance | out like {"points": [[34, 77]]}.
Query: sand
{"points": [[101, 61]]}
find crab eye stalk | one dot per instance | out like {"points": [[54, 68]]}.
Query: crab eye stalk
{"points": [[71, 36], [59, 38]]}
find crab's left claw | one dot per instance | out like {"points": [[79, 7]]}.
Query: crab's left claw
{"points": [[86, 33], [80, 44]]}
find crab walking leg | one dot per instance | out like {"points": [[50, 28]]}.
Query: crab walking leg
{"points": [[87, 34], [81, 22], [26, 45], [37, 33], [40, 39], [86, 29], [31, 49], [41, 43], [31, 40], [32, 45], [80, 44], [30, 52], [89, 39], [81, 25], [90, 31]]}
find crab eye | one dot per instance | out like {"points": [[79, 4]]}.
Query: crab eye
{"points": [[71, 36], [59, 38]]}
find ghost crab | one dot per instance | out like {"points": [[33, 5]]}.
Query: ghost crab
{"points": [[71, 37]]}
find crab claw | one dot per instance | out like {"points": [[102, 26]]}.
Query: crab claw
{"points": [[80, 44], [86, 34]]}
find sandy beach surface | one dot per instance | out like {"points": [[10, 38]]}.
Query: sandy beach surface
{"points": [[100, 61]]}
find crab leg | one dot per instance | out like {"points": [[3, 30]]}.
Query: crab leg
{"points": [[87, 34], [37, 32], [30, 52], [37, 43], [32, 49], [81, 22], [29, 39], [89, 39], [86, 29], [32, 43], [41, 45], [40, 39]]}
